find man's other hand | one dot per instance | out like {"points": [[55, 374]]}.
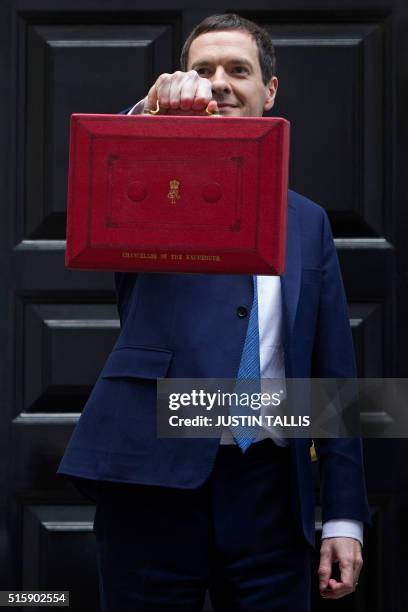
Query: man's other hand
{"points": [[347, 553], [181, 93]]}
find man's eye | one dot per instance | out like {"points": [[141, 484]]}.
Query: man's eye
{"points": [[202, 71], [240, 69]]}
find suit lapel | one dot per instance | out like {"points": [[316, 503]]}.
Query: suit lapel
{"points": [[290, 281]]}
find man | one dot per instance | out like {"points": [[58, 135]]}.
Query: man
{"points": [[177, 516]]}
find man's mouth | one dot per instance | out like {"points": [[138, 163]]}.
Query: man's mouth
{"points": [[225, 105]]}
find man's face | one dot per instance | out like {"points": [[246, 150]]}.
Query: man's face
{"points": [[229, 59]]}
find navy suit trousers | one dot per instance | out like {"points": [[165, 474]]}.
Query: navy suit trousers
{"points": [[236, 535]]}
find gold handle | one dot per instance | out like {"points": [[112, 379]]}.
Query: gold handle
{"points": [[157, 110], [313, 454]]}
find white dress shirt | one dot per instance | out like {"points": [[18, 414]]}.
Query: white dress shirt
{"points": [[272, 366]]}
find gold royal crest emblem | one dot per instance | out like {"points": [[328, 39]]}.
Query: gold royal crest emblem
{"points": [[174, 194]]}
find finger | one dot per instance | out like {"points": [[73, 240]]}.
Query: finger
{"points": [[151, 99], [324, 571], [347, 578], [175, 89], [358, 565], [163, 90], [203, 95], [358, 562], [188, 90]]}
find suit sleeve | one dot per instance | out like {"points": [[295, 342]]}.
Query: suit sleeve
{"points": [[124, 285], [343, 491]]}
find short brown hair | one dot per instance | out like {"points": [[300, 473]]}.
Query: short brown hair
{"points": [[232, 21]]}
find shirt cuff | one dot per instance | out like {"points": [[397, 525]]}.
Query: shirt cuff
{"points": [[137, 109], [343, 528]]}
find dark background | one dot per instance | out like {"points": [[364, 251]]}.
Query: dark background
{"points": [[343, 67]]}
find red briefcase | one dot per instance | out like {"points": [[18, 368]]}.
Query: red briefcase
{"points": [[177, 194]]}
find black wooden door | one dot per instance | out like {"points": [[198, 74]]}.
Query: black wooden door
{"points": [[342, 70]]}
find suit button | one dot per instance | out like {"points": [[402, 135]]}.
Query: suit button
{"points": [[242, 311]]}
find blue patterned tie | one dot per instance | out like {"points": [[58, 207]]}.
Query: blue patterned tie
{"points": [[249, 368]]}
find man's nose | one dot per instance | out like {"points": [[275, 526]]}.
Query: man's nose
{"points": [[219, 82]]}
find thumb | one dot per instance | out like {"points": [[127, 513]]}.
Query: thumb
{"points": [[212, 107]]}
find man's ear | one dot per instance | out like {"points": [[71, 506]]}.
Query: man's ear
{"points": [[272, 88]]}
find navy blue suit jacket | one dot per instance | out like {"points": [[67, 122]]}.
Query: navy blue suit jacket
{"points": [[186, 326]]}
